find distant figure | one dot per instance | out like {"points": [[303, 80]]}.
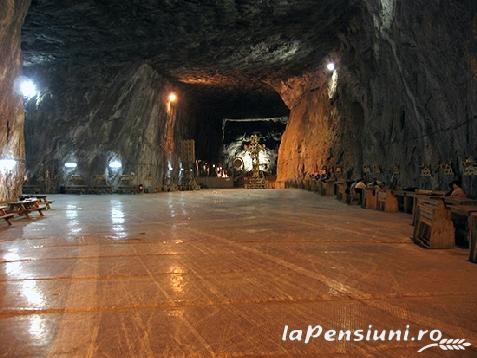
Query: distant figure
{"points": [[456, 191], [358, 189], [360, 184]]}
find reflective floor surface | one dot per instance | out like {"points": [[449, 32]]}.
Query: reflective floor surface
{"points": [[220, 273]]}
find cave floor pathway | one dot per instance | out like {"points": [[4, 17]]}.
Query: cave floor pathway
{"points": [[221, 272]]}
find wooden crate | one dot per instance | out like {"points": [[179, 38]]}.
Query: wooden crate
{"points": [[434, 228]]}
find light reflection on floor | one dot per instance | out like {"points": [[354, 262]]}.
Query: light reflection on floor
{"points": [[219, 273]]}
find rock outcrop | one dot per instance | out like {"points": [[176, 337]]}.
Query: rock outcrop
{"points": [[12, 152], [94, 117], [404, 95]]}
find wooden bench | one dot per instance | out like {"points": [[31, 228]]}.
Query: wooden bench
{"points": [[387, 202], [100, 186], [424, 195], [370, 198], [40, 197], [340, 190], [76, 185], [31, 189], [434, 228], [25, 207], [405, 200], [6, 216], [462, 212], [328, 188], [314, 185], [125, 186], [473, 237], [307, 184]]}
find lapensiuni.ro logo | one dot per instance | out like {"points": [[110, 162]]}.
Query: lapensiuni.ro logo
{"points": [[430, 338]]}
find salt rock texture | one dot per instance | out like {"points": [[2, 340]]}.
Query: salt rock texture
{"points": [[93, 117], [198, 42], [406, 95], [12, 14]]}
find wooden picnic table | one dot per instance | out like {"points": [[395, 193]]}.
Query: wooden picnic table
{"points": [[5, 215], [41, 198], [25, 207]]}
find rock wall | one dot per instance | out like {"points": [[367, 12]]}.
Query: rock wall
{"points": [[12, 14], [100, 115], [404, 94]]}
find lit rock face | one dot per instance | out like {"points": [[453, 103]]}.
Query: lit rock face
{"points": [[92, 118], [406, 95], [237, 133], [12, 13]]}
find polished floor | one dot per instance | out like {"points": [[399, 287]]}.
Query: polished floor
{"points": [[220, 273]]}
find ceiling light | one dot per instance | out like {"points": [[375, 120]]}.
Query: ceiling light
{"points": [[7, 165], [172, 97], [71, 165], [28, 88], [115, 164]]}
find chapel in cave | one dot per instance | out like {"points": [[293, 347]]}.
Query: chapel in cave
{"points": [[238, 178]]}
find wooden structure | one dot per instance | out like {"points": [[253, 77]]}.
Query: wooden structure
{"points": [[405, 200], [5, 215], [370, 198], [25, 207], [40, 197], [434, 228], [473, 237], [421, 195], [126, 185], [340, 190], [31, 189], [328, 188], [76, 185], [99, 185], [387, 201], [187, 151]]}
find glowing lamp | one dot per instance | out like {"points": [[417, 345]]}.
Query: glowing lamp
{"points": [[71, 165], [28, 88], [172, 97], [7, 165], [115, 164], [330, 66]]}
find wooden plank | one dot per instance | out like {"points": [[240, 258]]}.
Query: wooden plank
{"points": [[473, 237]]}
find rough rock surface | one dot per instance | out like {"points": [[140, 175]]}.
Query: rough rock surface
{"points": [[406, 95], [92, 118], [199, 42], [12, 13]]}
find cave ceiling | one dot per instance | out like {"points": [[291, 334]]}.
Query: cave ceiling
{"points": [[217, 42]]}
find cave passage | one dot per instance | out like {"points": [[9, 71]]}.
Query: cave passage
{"points": [[238, 178]]}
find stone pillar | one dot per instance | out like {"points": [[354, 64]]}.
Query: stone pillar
{"points": [[12, 147]]}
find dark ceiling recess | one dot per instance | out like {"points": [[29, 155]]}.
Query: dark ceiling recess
{"points": [[197, 42]]}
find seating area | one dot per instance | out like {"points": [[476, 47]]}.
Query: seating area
{"points": [[439, 221], [24, 207], [98, 184]]}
